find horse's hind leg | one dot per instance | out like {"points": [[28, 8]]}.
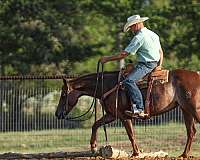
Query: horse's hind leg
{"points": [[107, 118], [130, 131], [191, 130]]}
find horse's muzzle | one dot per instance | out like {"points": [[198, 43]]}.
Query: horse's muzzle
{"points": [[60, 115]]}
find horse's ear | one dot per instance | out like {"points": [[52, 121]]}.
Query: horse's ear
{"points": [[64, 81]]}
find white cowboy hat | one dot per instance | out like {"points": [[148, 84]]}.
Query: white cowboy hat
{"points": [[133, 20]]}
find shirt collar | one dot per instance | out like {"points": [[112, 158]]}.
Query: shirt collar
{"points": [[142, 29]]}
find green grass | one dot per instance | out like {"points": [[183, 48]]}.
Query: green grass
{"points": [[170, 138]]}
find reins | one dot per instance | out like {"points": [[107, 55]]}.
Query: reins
{"points": [[76, 118], [102, 102], [106, 94], [94, 102]]}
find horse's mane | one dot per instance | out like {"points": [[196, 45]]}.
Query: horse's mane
{"points": [[89, 80]]}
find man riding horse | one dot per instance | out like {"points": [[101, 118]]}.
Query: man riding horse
{"points": [[180, 88], [146, 45]]}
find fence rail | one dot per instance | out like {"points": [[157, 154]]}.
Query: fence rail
{"points": [[34, 77]]}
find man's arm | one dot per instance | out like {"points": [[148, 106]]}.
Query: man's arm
{"points": [[159, 67], [119, 56]]}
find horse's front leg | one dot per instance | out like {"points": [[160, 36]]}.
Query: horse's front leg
{"points": [[107, 118], [191, 130], [131, 134]]}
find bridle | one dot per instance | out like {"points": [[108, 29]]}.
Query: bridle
{"points": [[94, 101], [64, 95]]}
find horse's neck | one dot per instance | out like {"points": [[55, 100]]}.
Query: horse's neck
{"points": [[109, 81], [87, 84]]}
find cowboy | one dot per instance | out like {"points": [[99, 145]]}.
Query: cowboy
{"points": [[146, 45]]}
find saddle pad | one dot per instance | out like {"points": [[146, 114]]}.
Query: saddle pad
{"points": [[161, 76]]}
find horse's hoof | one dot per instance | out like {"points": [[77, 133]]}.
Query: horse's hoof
{"points": [[136, 154], [94, 150], [183, 156]]}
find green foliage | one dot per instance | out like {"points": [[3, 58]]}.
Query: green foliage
{"points": [[90, 65], [194, 63], [53, 37]]}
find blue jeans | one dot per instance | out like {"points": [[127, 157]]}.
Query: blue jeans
{"points": [[140, 70]]}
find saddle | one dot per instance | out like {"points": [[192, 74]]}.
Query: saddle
{"points": [[153, 78], [159, 76]]}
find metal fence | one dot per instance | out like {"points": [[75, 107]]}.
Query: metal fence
{"points": [[28, 124]]}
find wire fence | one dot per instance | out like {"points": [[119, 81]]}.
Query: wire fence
{"points": [[28, 123]]}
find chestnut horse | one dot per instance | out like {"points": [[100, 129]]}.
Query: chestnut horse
{"points": [[182, 89]]}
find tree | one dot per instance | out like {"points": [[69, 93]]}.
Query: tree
{"points": [[44, 36]]}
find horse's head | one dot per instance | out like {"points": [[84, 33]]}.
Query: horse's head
{"points": [[84, 85], [68, 100]]}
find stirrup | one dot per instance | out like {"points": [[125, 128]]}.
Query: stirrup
{"points": [[141, 115], [129, 113]]}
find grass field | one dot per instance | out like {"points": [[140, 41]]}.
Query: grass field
{"points": [[170, 138]]}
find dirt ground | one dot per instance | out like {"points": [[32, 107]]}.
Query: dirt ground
{"points": [[146, 158], [78, 156]]}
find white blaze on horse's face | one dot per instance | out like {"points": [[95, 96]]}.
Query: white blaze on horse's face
{"points": [[69, 88], [63, 102]]}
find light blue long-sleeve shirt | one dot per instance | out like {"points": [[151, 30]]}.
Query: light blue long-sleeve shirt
{"points": [[146, 45]]}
